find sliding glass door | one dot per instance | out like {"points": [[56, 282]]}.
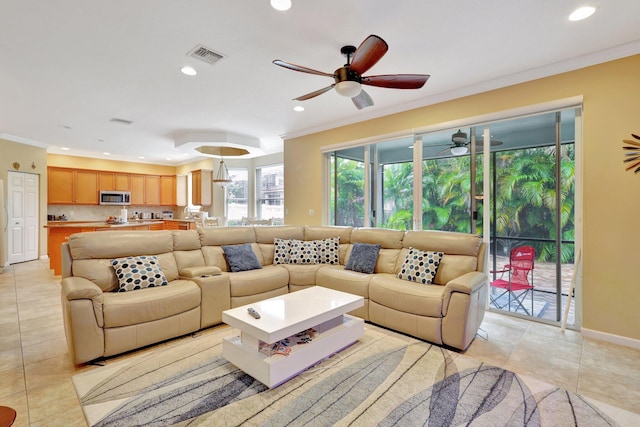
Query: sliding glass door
{"points": [[517, 189]]}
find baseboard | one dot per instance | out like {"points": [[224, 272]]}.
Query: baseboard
{"points": [[614, 339], [44, 258]]}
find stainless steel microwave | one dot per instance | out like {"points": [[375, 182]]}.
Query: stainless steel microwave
{"points": [[115, 198]]}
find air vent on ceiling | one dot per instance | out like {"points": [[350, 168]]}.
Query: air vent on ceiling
{"points": [[120, 121], [205, 54]]}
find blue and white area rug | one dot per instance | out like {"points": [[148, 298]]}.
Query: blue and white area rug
{"points": [[382, 380]]}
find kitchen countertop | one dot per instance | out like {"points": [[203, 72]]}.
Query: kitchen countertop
{"points": [[100, 224]]}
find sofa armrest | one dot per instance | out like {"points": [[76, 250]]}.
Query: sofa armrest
{"points": [[205, 270], [468, 283], [215, 291], [78, 288]]}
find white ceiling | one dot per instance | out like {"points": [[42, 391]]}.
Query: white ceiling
{"points": [[69, 66]]}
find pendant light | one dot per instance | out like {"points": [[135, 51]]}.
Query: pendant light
{"points": [[222, 177]]}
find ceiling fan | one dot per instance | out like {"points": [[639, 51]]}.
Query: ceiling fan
{"points": [[349, 78], [460, 144]]}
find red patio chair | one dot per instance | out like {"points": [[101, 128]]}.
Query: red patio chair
{"points": [[517, 284]]}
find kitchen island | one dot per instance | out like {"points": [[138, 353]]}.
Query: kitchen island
{"points": [[59, 232]]}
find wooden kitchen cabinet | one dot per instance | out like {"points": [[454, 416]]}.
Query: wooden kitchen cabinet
{"points": [[152, 190], [72, 186], [110, 181], [137, 189], [202, 187], [86, 187], [168, 190], [171, 225], [68, 186], [60, 182]]}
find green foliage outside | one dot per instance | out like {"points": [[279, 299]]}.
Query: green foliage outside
{"points": [[525, 202]]}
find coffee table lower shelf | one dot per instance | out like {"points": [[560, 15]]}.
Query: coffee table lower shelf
{"points": [[272, 371]]}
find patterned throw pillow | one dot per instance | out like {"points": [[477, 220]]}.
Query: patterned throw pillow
{"points": [[280, 251], [420, 266], [328, 250], [302, 252], [138, 272]]}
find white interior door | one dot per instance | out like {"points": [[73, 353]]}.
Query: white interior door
{"points": [[22, 230]]}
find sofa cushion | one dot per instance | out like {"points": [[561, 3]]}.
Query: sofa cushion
{"points": [[336, 277], [146, 305], [389, 291], [252, 282], [265, 235], [316, 232], [420, 266], [241, 257], [302, 275], [302, 252], [363, 257], [138, 272], [386, 238], [281, 251]]}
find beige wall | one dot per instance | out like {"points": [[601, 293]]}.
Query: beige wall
{"points": [[611, 197], [27, 155], [108, 165]]}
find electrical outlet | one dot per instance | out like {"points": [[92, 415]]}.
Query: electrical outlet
{"points": [[312, 212]]}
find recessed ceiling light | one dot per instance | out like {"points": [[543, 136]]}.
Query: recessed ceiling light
{"points": [[582, 13], [141, 157], [106, 154], [298, 108], [188, 71], [64, 148], [281, 4]]}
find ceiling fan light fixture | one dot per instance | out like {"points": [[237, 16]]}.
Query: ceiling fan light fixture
{"points": [[459, 150], [348, 88], [459, 137], [281, 5]]}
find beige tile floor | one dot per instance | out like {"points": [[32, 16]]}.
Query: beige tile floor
{"points": [[36, 371]]}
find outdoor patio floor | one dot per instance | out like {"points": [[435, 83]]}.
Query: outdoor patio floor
{"points": [[544, 283]]}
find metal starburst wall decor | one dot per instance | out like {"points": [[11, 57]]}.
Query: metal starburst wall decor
{"points": [[632, 153]]}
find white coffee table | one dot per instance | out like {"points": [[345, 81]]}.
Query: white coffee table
{"points": [[281, 317]]}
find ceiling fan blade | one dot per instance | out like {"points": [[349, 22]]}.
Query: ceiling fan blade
{"points": [[362, 100], [397, 81], [314, 94], [441, 152], [300, 68], [368, 53]]}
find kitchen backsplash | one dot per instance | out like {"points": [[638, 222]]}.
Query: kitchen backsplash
{"points": [[100, 213]]}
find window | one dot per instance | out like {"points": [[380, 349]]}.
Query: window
{"points": [[270, 192], [521, 191], [348, 191], [237, 196]]}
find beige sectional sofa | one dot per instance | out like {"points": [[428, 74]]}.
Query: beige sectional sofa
{"points": [[100, 322]]}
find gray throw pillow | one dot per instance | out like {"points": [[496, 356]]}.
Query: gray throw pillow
{"points": [[241, 257], [363, 258]]}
